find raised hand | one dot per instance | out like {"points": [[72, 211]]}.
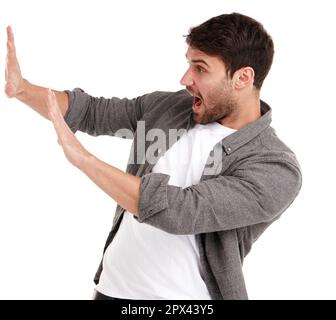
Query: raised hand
{"points": [[13, 74], [72, 148]]}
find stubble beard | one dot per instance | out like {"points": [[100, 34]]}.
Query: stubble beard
{"points": [[218, 107]]}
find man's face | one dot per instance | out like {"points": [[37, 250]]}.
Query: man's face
{"points": [[206, 80]]}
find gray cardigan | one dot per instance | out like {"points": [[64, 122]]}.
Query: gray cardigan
{"points": [[258, 178]]}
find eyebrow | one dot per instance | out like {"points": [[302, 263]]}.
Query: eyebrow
{"points": [[198, 61]]}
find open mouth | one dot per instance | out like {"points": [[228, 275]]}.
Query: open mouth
{"points": [[197, 102]]}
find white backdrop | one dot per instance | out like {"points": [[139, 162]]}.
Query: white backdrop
{"points": [[54, 220]]}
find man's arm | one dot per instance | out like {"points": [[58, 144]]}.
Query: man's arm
{"points": [[35, 96], [103, 116], [256, 192], [30, 94]]}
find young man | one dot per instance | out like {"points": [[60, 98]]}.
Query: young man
{"points": [[195, 199]]}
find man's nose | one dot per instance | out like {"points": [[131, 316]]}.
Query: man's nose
{"points": [[186, 80]]}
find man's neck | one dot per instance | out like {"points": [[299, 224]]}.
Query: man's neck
{"points": [[247, 112]]}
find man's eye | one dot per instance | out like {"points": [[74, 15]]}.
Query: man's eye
{"points": [[200, 69]]}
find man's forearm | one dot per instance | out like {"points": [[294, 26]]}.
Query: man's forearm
{"points": [[124, 188], [36, 97]]}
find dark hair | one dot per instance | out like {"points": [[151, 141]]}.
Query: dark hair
{"points": [[238, 40]]}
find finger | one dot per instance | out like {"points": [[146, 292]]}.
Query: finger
{"points": [[10, 40], [53, 104], [52, 110], [57, 114], [10, 35], [56, 117]]}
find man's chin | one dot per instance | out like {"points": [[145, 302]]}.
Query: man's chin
{"points": [[198, 119], [205, 120]]}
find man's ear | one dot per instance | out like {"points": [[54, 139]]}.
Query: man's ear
{"points": [[243, 78]]}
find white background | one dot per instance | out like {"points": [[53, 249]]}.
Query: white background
{"points": [[54, 220]]}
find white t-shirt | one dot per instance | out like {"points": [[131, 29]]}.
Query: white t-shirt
{"points": [[143, 262]]}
